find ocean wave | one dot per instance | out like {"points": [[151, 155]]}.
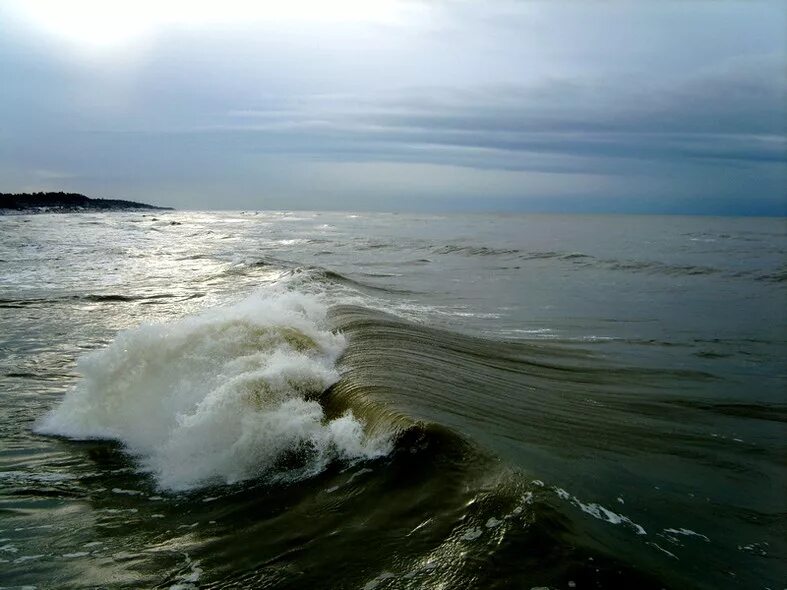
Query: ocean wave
{"points": [[777, 276], [656, 267], [473, 250], [546, 255], [581, 260], [225, 396], [317, 277], [97, 298], [323, 274], [488, 392]]}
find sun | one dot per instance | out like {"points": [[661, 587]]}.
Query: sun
{"points": [[103, 23]]}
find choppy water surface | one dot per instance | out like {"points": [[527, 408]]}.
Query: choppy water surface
{"points": [[329, 400]]}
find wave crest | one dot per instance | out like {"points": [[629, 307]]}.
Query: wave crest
{"points": [[225, 396]]}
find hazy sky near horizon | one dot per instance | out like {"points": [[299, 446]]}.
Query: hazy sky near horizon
{"points": [[399, 104]]}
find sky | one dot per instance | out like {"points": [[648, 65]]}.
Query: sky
{"points": [[399, 105]]}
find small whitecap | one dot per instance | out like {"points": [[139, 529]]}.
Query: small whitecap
{"points": [[472, 534]]}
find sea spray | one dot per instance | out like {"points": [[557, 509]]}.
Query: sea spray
{"points": [[223, 396]]}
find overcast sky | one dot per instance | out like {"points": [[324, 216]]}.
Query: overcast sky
{"points": [[399, 105]]}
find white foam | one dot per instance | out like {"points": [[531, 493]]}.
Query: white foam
{"points": [[25, 558], [223, 396], [687, 533], [660, 548], [372, 584], [188, 580], [600, 512], [126, 492], [472, 534]]}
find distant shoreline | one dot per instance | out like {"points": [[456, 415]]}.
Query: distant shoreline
{"points": [[60, 202]]}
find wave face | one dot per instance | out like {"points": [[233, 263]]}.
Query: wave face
{"points": [[224, 396]]}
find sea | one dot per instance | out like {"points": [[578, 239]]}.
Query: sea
{"points": [[257, 399]]}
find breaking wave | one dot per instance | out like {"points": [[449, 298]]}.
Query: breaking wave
{"points": [[224, 396]]}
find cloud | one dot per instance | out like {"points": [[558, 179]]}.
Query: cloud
{"points": [[728, 115], [53, 174]]}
